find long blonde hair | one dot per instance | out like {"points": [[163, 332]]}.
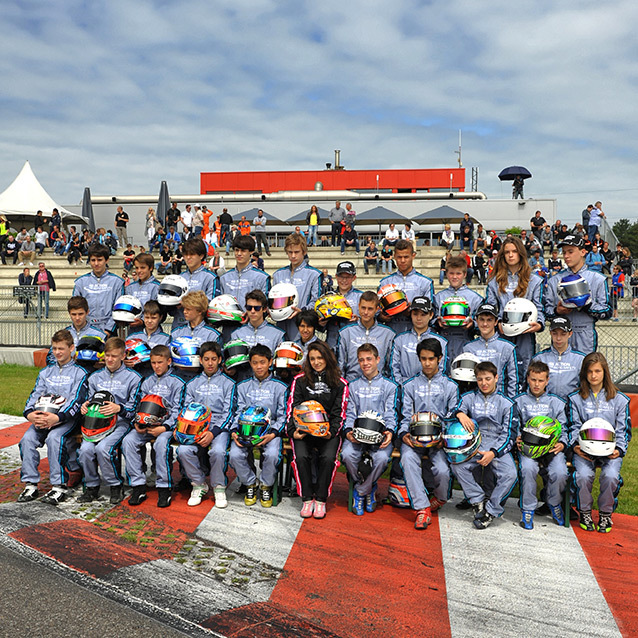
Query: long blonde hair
{"points": [[501, 268]]}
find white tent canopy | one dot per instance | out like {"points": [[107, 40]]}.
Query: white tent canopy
{"points": [[25, 196]]}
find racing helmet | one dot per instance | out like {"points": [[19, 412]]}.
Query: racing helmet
{"points": [[454, 311], [310, 417], [518, 315], [597, 437], [332, 304], [224, 308], [185, 352], [171, 290], [398, 493], [539, 435], [137, 351], [51, 403], [235, 353], [151, 411], [459, 444], [289, 354], [282, 298], [425, 429], [462, 368], [127, 309], [192, 421], [392, 300], [90, 348], [369, 427], [96, 425], [254, 422], [574, 291]]}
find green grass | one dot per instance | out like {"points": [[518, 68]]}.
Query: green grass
{"points": [[17, 381]]}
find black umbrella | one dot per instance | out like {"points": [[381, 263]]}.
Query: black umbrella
{"points": [[301, 217], [163, 204], [87, 209], [440, 215], [510, 173], [252, 213], [380, 214]]}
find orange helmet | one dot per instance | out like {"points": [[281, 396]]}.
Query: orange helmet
{"points": [[310, 417], [392, 299]]}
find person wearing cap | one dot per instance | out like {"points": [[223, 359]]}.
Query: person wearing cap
{"points": [[563, 361], [365, 330], [457, 336], [490, 346], [511, 277], [346, 275], [404, 362], [583, 319], [370, 392], [408, 279]]}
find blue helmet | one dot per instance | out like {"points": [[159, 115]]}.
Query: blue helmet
{"points": [[461, 445], [90, 348], [254, 422], [574, 291], [185, 352], [191, 422]]}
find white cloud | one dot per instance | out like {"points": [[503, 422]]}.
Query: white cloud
{"points": [[119, 96]]}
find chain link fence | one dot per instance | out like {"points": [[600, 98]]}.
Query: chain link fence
{"points": [[23, 322]]}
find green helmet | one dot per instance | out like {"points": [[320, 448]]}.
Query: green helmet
{"points": [[236, 353], [539, 435]]}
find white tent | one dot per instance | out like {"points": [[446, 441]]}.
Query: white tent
{"points": [[25, 196]]}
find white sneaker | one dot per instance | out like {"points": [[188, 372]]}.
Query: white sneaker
{"points": [[220, 497], [197, 493], [30, 263], [21, 263]]}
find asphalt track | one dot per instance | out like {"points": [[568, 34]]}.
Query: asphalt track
{"points": [[247, 572]]}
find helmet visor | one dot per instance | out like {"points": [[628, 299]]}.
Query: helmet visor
{"points": [[288, 353], [279, 303], [186, 426], [170, 290], [454, 310], [533, 437], [125, 306], [365, 423], [515, 317], [396, 296], [312, 417], [598, 434], [571, 289], [236, 351], [464, 364], [457, 441]]}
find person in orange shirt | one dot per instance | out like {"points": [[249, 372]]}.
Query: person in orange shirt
{"points": [[207, 213], [244, 226], [217, 229]]}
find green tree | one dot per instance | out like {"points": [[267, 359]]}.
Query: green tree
{"points": [[627, 234]]}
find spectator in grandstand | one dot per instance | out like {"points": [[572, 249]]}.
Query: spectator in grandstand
{"points": [[10, 250], [350, 237], [27, 251], [408, 234], [594, 260], [371, 258], [447, 238], [41, 239], [617, 290], [391, 236], [480, 239]]}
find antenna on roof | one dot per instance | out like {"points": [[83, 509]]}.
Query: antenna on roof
{"points": [[459, 151]]}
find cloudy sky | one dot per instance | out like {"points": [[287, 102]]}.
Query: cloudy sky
{"points": [[118, 95]]}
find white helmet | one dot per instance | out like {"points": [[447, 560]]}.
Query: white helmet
{"points": [[518, 315], [171, 290], [281, 300], [289, 354], [462, 368], [597, 437], [127, 309], [224, 308], [51, 403], [369, 427]]}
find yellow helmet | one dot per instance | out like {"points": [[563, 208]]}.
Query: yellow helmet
{"points": [[333, 304]]}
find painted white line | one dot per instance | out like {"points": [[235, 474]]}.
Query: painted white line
{"points": [[505, 581], [8, 420], [265, 535]]}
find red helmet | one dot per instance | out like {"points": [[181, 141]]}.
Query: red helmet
{"points": [[392, 300], [151, 411]]}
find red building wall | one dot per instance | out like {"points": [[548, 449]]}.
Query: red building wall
{"points": [[397, 180]]}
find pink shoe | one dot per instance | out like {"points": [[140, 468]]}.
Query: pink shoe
{"points": [[320, 509], [307, 509]]}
